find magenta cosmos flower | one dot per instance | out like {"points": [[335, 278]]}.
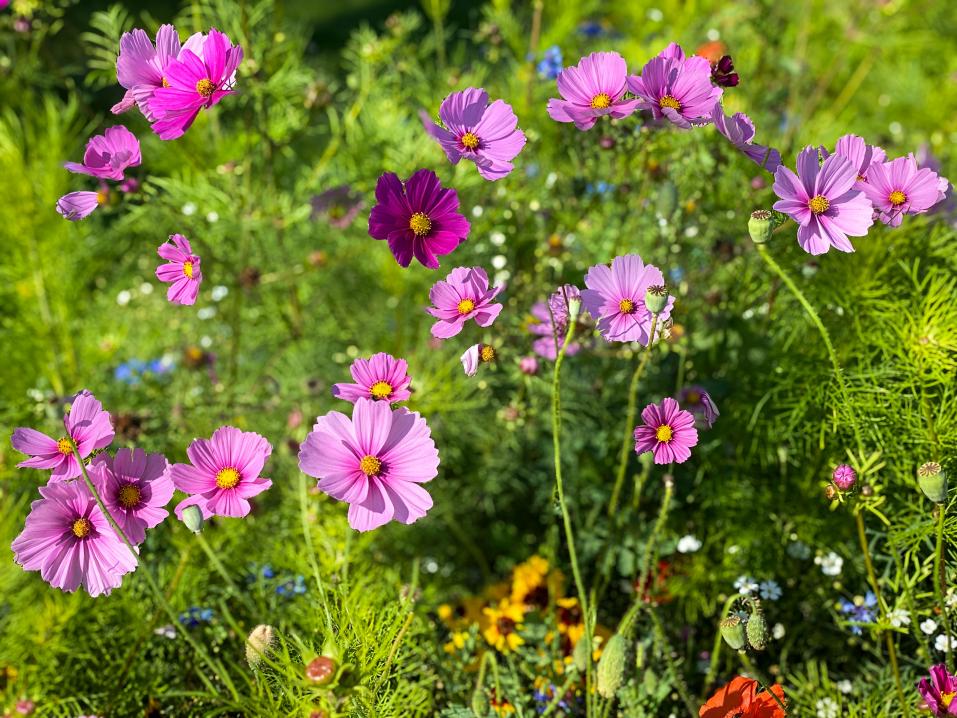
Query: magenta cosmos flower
{"points": [[487, 134], [88, 428], [223, 473], [701, 405], [823, 201], [668, 431], [739, 130], [181, 271], [552, 324], [79, 205], [475, 355], [374, 462], [461, 296], [419, 218], [676, 88], [616, 298], [135, 486], [108, 155], [860, 154], [381, 377], [939, 692], [900, 187], [195, 80], [70, 542], [593, 88], [844, 477]]}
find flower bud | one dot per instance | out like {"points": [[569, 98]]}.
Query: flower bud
{"points": [[580, 656], [321, 670], [612, 666], [844, 477], [193, 518], [757, 630], [259, 643], [760, 226], [732, 631], [830, 493], [933, 482], [867, 490], [656, 298], [528, 365], [574, 308], [480, 704]]}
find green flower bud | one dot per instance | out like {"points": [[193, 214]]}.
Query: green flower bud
{"points": [[760, 226], [757, 630], [933, 482], [656, 298], [732, 631], [581, 656], [193, 518], [259, 643], [480, 704], [574, 308], [612, 666]]}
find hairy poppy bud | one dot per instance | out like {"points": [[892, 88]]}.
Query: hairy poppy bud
{"points": [[757, 630], [656, 298], [259, 643], [760, 226], [193, 518], [612, 666], [581, 656], [933, 482], [732, 631]]}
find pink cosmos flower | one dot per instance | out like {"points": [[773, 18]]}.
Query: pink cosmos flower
{"points": [[182, 271], [419, 218], [487, 134], [461, 296], [196, 80], [223, 473], [88, 428], [860, 154], [701, 405], [593, 88], [676, 88], [109, 154], [844, 477], [739, 130], [528, 365], [616, 298], [475, 355], [374, 462], [70, 542], [900, 187], [668, 431], [135, 486], [381, 377], [552, 324], [79, 205], [938, 692], [823, 201]]}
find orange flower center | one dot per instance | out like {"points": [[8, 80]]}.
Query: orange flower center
{"points": [[81, 528], [819, 204], [669, 101], [601, 101], [205, 88], [420, 223], [227, 478], [370, 465], [380, 390]]}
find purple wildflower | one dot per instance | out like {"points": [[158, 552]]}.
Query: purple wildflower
{"points": [[381, 377], [668, 431], [616, 298], [461, 296], [677, 89], [593, 88], [739, 130], [900, 187]]}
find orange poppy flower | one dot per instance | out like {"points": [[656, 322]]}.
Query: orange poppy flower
{"points": [[740, 699]]}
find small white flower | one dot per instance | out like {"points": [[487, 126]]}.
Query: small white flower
{"points": [[746, 585], [827, 708], [778, 631], [688, 544], [551, 180], [497, 238], [831, 564], [166, 632], [898, 617], [189, 208], [212, 217], [770, 590], [845, 686], [951, 599], [123, 298], [206, 342], [944, 643], [928, 626], [691, 231], [733, 548], [499, 261], [219, 292]]}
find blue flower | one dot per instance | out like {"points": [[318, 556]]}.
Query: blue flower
{"points": [[132, 371], [292, 587], [551, 64], [860, 610], [195, 616]]}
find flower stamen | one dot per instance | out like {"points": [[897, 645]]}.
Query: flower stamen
{"points": [[188, 269], [65, 446], [81, 527], [664, 433], [420, 223], [227, 478], [380, 390], [469, 140], [669, 101], [129, 496], [466, 306], [897, 198], [601, 101], [205, 87], [486, 353], [626, 306], [819, 204], [370, 465]]}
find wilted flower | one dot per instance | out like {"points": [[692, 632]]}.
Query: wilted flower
{"points": [[722, 72], [739, 130], [593, 88], [699, 402]]}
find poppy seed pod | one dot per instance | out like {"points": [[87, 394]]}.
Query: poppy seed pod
{"points": [[760, 226], [732, 631], [933, 482], [193, 518], [757, 630], [612, 666], [656, 298], [321, 670]]}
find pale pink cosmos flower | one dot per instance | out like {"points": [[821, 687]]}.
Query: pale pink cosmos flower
{"points": [[374, 461], [135, 486], [676, 88], [593, 88], [88, 428], [900, 187], [71, 543], [475, 355], [860, 154], [182, 270], [615, 297], [552, 324], [381, 377], [464, 294], [107, 156], [487, 134], [668, 431], [223, 473]]}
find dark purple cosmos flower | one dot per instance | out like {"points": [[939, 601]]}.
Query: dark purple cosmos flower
{"points": [[860, 154], [739, 130], [194, 81], [593, 88], [676, 88], [723, 74], [701, 405], [487, 134], [616, 299], [939, 692], [900, 187], [463, 295], [419, 219], [668, 431], [108, 155], [821, 198], [338, 206]]}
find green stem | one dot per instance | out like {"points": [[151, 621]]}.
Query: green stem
{"points": [[310, 550], [750, 667], [628, 442], [154, 587], [718, 643], [940, 570], [221, 570], [625, 627], [676, 677], [560, 488]]}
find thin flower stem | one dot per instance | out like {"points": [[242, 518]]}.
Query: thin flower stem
{"points": [[940, 570], [310, 550], [628, 442], [560, 488], [154, 587], [221, 570], [676, 677], [760, 678]]}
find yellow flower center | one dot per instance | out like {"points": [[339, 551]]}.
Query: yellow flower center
{"points": [[486, 353], [380, 390], [897, 197], [81, 528], [227, 478], [188, 270], [692, 397], [205, 88], [819, 204], [664, 433], [466, 306], [947, 698], [420, 223], [129, 496], [469, 140], [626, 306], [669, 101], [166, 82], [861, 178], [601, 101], [370, 465], [65, 446]]}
